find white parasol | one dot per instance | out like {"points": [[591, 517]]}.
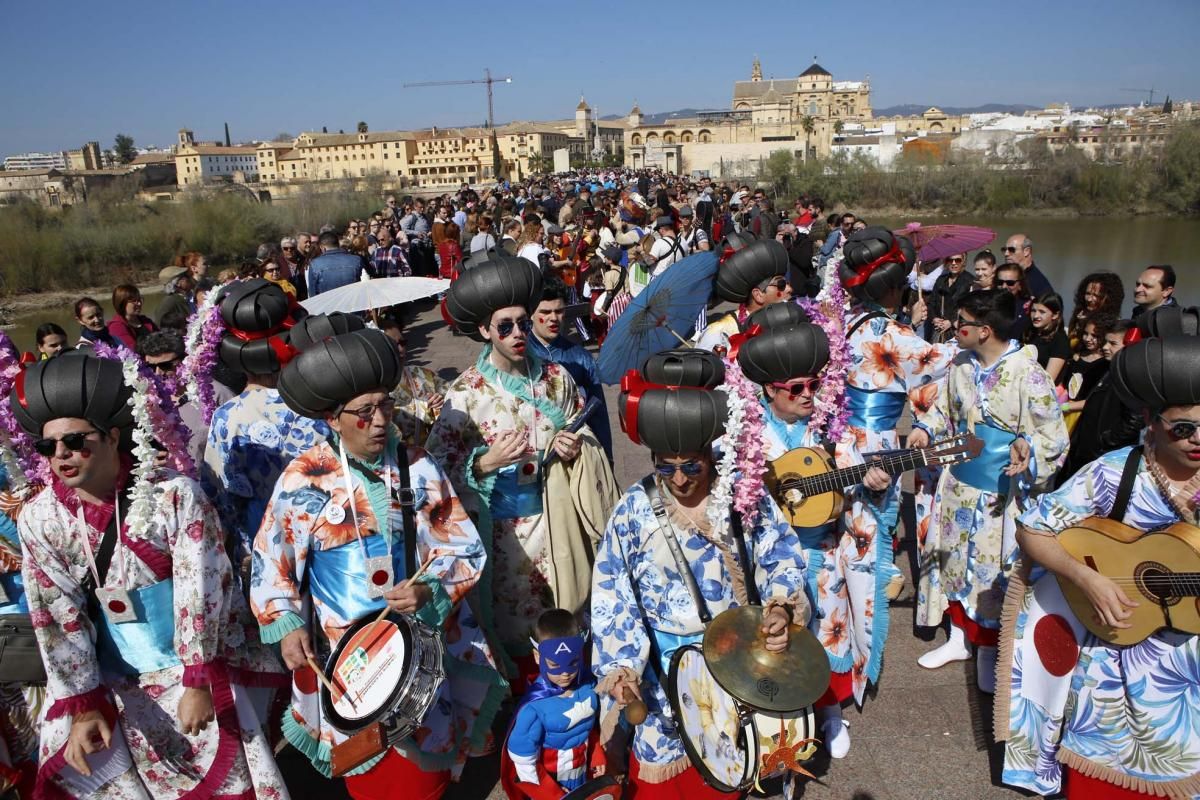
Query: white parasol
{"points": [[368, 294]]}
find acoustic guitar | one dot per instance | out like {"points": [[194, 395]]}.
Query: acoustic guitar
{"points": [[1159, 571], [808, 485]]}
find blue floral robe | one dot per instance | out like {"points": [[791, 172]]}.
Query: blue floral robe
{"points": [[1126, 715], [633, 549]]}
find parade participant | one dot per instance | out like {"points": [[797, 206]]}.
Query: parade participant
{"points": [[646, 600], [1111, 721], [754, 277], [419, 392], [997, 391], [549, 344], [692, 238], [788, 363], [889, 365], [499, 420], [147, 644], [551, 747], [255, 435], [333, 513], [667, 249]]}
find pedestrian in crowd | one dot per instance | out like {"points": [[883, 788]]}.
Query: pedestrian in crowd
{"points": [[450, 255], [1046, 333], [127, 324], [333, 268], [949, 288], [1019, 250], [273, 272], [178, 285], [389, 260], [484, 240], [1085, 369], [513, 230], [1097, 293], [1011, 279], [1155, 287], [51, 340], [90, 316]]}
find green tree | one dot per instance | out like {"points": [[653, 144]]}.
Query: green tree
{"points": [[123, 148], [809, 125]]}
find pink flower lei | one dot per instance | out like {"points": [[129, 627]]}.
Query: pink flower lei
{"points": [[162, 415], [830, 412], [744, 431], [204, 338], [35, 469]]}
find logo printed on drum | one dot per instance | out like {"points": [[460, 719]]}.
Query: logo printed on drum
{"points": [[767, 688]]}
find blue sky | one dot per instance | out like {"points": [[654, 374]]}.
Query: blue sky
{"points": [[76, 71]]}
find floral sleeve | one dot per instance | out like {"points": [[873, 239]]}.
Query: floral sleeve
{"points": [[447, 535], [1047, 433], [621, 639], [201, 576], [280, 552], [931, 406], [779, 558], [58, 610], [453, 441]]}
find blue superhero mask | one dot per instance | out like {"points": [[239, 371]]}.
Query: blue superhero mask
{"points": [[565, 652]]}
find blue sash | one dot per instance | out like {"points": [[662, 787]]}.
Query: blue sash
{"points": [[667, 643], [148, 645], [511, 499], [874, 411], [986, 472], [14, 590], [338, 577]]}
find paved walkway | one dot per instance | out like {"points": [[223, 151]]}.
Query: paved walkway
{"points": [[925, 735]]}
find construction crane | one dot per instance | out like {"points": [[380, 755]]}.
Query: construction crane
{"points": [[491, 118], [1149, 92]]}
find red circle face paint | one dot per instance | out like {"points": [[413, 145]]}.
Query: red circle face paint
{"points": [[85, 452], [361, 424]]}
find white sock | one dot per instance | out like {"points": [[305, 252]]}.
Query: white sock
{"points": [[955, 649], [985, 668], [836, 731]]}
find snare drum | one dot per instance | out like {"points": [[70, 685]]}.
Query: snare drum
{"points": [[386, 671], [725, 739]]}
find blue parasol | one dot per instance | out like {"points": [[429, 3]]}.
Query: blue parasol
{"points": [[660, 317]]}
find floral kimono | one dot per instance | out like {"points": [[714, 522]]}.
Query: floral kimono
{"points": [[251, 439], [890, 365], [507, 504], [843, 593], [1124, 715], [193, 630], [971, 546], [309, 533], [414, 417], [631, 627]]}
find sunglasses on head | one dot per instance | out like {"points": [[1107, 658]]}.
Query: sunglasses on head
{"points": [[506, 327], [810, 385], [691, 469], [73, 442], [1180, 428]]}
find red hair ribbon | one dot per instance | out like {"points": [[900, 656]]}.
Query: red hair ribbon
{"points": [[862, 273], [633, 386], [283, 351], [1133, 336], [738, 339], [253, 336], [19, 388]]}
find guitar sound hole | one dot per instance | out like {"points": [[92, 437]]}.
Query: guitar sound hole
{"points": [[1154, 581], [793, 497]]}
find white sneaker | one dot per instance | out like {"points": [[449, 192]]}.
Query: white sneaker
{"points": [[837, 737]]}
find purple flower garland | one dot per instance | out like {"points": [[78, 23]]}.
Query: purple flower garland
{"points": [[198, 365], [35, 468], [830, 412]]}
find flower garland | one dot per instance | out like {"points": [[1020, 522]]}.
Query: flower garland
{"points": [[828, 310], [203, 339], [155, 412], [141, 493], [739, 485], [30, 467]]}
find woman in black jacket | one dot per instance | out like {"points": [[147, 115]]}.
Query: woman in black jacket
{"points": [[950, 287]]}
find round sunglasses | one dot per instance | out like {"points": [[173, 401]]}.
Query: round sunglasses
{"points": [[1180, 428]]}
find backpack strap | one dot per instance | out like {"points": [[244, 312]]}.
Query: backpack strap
{"points": [[1129, 473], [668, 531], [739, 538]]}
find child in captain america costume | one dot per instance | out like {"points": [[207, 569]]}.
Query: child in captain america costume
{"points": [[553, 738]]}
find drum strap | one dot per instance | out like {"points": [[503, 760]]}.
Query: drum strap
{"points": [[668, 531], [739, 537], [1125, 487], [407, 510]]}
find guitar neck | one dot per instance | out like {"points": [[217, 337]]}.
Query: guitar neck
{"points": [[838, 479]]}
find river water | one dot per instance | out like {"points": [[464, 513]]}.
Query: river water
{"points": [[1064, 249]]}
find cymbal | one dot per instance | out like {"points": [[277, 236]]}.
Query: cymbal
{"points": [[736, 654]]}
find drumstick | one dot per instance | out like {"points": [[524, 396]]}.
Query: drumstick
{"points": [[312, 663], [386, 609]]}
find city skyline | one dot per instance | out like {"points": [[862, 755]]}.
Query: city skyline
{"points": [[253, 68]]}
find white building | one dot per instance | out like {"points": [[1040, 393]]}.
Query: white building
{"points": [[36, 161], [197, 164]]}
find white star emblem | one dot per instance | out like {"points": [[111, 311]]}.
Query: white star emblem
{"points": [[580, 711]]}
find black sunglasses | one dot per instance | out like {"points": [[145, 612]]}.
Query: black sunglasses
{"points": [[689, 468], [963, 323], [73, 441], [1009, 249], [1180, 428], [505, 328], [1012, 282], [166, 366]]}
